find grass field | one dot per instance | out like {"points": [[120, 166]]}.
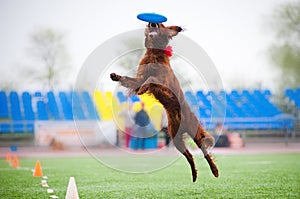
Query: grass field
{"points": [[241, 176]]}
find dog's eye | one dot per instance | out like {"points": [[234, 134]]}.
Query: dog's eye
{"points": [[153, 25]]}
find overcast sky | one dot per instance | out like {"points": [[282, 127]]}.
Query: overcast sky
{"points": [[234, 33]]}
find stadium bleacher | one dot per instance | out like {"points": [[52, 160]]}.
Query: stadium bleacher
{"points": [[237, 109], [19, 111]]}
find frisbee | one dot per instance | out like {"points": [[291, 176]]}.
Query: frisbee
{"points": [[152, 17]]}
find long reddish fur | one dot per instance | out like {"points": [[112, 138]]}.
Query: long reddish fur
{"points": [[155, 76]]}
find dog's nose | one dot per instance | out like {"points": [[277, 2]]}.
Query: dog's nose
{"points": [[152, 34]]}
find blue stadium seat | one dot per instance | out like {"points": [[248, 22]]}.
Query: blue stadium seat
{"points": [[38, 94], [53, 107], [42, 111], [90, 107], [27, 106], [191, 98], [15, 109], [204, 112], [18, 128], [29, 127], [77, 107], [234, 93], [66, 106], [289, 93], [5, 128], [135, 98], [294, 96], [257, 92], [202, 100], [3, 105], [122, 98], [267, 93]]}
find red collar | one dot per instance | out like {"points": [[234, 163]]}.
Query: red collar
{"points": [[168, 51]]}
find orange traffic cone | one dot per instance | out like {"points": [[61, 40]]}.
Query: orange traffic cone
{"points": [[15, 162], [38, 170], [8, 157]]}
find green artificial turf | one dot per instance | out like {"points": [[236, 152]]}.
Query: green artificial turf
{"points": [[241, 176]]}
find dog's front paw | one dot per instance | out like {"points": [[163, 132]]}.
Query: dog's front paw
{"points": [[115, 77]]}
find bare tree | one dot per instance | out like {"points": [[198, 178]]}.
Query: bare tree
{"points": [[48, 49], [285, 51]]}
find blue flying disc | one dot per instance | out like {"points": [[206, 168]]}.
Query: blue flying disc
{"points": [[152, 17]]}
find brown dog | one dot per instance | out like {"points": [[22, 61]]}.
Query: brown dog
{"points": [[155, 76]]}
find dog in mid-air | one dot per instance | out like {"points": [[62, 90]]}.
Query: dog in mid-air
{"points": [[155, 76]]}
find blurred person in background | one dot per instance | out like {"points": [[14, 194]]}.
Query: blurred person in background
{"points": [[141, 120], [128, 116]]}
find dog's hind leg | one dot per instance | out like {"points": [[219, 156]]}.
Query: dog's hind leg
{"points": [[204, 141], [179, 144], [211, 163]]}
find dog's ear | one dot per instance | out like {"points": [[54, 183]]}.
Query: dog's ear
{"points": [[174, 30]]}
